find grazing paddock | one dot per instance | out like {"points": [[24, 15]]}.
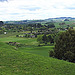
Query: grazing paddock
{"points": [[30, 59], [16, 62]]}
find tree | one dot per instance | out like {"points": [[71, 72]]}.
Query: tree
{"points": [[39, 39], [51, 54], [45, 39], [17, 35], [42, 28], [1, 23], [50, 39], [39, 25], [65, 46], [66, 20], [69, 56], [30, 29], [51, 25]]}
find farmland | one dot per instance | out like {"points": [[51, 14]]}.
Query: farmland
{"points": [[23, 54], [30, 59]]}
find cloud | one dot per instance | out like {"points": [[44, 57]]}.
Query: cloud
{"points": [[36, 9], [3, 0], [30, 8]]}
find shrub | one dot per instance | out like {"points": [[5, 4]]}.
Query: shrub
{"points": [[17, 35], [51, 53], [69, 56]]}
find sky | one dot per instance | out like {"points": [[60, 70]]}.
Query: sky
{"points": [[36, 9]]}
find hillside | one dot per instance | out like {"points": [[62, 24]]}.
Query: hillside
{"points": [[15, 62], [39, 21]]}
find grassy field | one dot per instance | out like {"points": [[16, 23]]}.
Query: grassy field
{"points": [[13, 62], [66, 23], [30, 45], [43, 51], [30, 59]]}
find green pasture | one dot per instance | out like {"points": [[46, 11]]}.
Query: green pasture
{"points": [[30, 45], [43, 50], [14, 62], [27, 41], [66, 23], [30, 59]]}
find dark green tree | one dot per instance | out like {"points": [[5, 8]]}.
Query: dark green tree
{"points": [[1, 23], [50, 39], [39, 25], [65, 43], [51, 25], [51, 54], [45, 39], [17, 35], [69, 56], [39, 39]]}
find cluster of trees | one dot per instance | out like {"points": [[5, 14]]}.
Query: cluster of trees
{"points": [[2, 30], [26, 27], [45, 38], [66, 20], [50, 24], [15, 28], [1, 23], [38, 25], [65, 46]]}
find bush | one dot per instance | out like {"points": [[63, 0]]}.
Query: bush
{"points": [[51, 53], [69, 56], [17, 35]]}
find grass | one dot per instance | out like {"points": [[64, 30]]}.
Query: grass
{"points": [[13, 62], [30, 59], [43, 50], [31, 45]]}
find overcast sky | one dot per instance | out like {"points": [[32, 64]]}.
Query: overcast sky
{"points": [[36, 9]]}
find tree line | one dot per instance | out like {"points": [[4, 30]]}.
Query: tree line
{"points": [[46, 38]]}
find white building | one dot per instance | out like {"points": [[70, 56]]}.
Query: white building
{"points": [[5, 32]]}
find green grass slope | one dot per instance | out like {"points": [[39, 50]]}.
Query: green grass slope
{"points": [[31, 45], [14, 62], [42, 50]]}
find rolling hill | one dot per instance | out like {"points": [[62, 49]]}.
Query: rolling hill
{"points": [[15, 62]]}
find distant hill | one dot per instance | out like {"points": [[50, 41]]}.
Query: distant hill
{"points": [[23, 21], [61, 18], [37, 21]]}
